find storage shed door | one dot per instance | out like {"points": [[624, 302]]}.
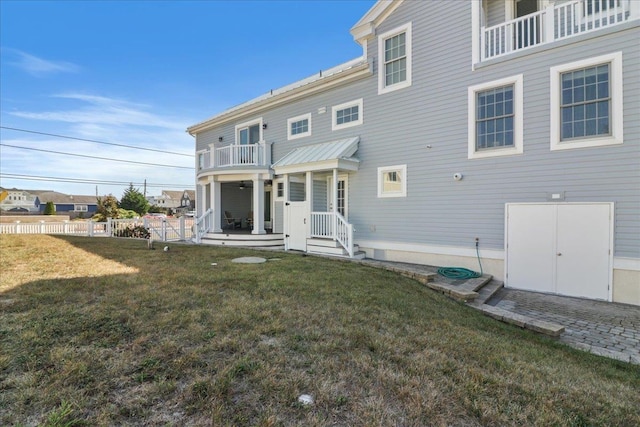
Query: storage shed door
{"points": [[560, 248]]}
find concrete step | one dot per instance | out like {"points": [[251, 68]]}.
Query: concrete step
{"points": [[526, 322], [486, 292]]}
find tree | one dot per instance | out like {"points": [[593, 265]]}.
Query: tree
{"points": [[107, 207], [134, 200], [50, 209]]}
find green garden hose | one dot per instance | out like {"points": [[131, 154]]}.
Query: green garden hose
{"points": [[461, 273]]}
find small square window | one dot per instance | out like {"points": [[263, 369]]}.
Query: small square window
{"points": [[347, 115], [299, 127], [392, 181]]}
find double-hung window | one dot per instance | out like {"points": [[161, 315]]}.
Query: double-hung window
{"points": [[394, 53], [586, 103], [298, 127], [347, 114], [495, 118]]}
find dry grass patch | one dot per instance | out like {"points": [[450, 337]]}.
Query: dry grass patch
{"points": [[165, 338]]}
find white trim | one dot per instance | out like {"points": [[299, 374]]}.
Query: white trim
{"points": [[622, 263], [297, 119], [497, 254], [476, 26], [518, 109], [329, 182], [276, 183], [382, 88], [616, 119], [402, 169], [247, 124], [336, 108]]}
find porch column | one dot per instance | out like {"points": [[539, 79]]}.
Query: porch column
{"points": [[258, 205], [216, 205], [309, 193], [334, 202], [285, 224], [201, 200]]}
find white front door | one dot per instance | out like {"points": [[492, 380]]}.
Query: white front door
{"points": [[560, 248], [296, 225]]}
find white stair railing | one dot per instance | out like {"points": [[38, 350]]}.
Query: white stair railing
{"points": [[329, 225], [203, 225]]}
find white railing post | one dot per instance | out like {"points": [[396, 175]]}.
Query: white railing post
{"points": [[41, 227], [18, 227], [634, 9], [183, 235], [549, 33], [90, 228]]}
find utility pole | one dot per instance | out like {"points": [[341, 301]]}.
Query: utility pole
{"points": [[145, 188]]}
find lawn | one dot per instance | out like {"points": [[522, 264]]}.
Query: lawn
{"points": [[100, 331]]}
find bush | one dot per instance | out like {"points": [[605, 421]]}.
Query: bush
{"points": [[50, 209], [133, 231]]}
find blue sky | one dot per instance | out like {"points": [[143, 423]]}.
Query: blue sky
{"points": [[139, 72]]}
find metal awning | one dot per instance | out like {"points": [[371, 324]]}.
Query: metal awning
{"points": [[326, 156]]}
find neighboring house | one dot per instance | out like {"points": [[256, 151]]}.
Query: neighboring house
{"points": [[173, 200], [188, 200], [65, 204], [15, 200], [514, 122]]}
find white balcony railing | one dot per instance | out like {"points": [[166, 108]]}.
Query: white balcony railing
{"points": [[555, 22], [333, 226], [235, 155]]}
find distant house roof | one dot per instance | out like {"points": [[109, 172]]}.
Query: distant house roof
{"points": [[60, 198], [328, 155], [176, 195]]}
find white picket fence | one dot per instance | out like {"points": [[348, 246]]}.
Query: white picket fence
{"points": [[159, 229]]}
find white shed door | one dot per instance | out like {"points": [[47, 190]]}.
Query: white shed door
{"points": [[583, 250], [297, 226], [560, 248]]}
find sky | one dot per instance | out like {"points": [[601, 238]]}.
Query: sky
{"points": [[138, 73]]}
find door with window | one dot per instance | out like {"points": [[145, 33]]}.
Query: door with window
{"points": [[247, 136], [528, 29], [342, 195]]}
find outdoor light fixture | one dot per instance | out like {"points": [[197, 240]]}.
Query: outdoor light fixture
{"points": [[220, 139], [264, 126]]}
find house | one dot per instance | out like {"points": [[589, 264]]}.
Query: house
{"points": [[505, 130], [73, 205], [176, 201], [18, 201]]}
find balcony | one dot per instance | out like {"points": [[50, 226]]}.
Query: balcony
{"points": [[235, 156], [553, 23]]}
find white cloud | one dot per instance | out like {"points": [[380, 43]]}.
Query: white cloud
{"points": [[39, 67]]}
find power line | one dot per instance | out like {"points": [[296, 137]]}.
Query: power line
{"points": [[86, 181], [93, 140], [95, 157]]}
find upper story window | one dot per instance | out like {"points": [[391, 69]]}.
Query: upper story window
{"points": [[201, 161], [347, 114], [298, 127], [249, 132], [394, 53], [495, 118], [586, 103]]}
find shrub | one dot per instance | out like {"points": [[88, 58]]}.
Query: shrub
{"points": [[133, 231]]}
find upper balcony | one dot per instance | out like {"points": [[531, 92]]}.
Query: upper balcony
{"points": [[533, 25], [235, 156]]}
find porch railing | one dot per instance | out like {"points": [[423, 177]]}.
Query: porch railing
{"points": [[203, 225], [235, 155], [330, 225], [555, 22]]}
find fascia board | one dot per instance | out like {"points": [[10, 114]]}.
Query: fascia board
{"points": [[343, 77]]}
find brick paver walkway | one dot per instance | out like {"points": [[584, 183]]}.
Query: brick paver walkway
{"points": [[604, 328]]}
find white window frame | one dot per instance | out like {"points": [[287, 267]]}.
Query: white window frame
{"points": [[402, 170], [293, 120], [616, 119], [247, 124], [276, 197], [382, 87], [336, 108], [80, 208], [518, 109]]}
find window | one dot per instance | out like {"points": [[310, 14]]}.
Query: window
{"points": [[392, 181], [81, 208], [586, 103], [394, 53], [495, 118], [201, 161], [298, 127], [249, 132], [280, 190], [347, 115]]}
